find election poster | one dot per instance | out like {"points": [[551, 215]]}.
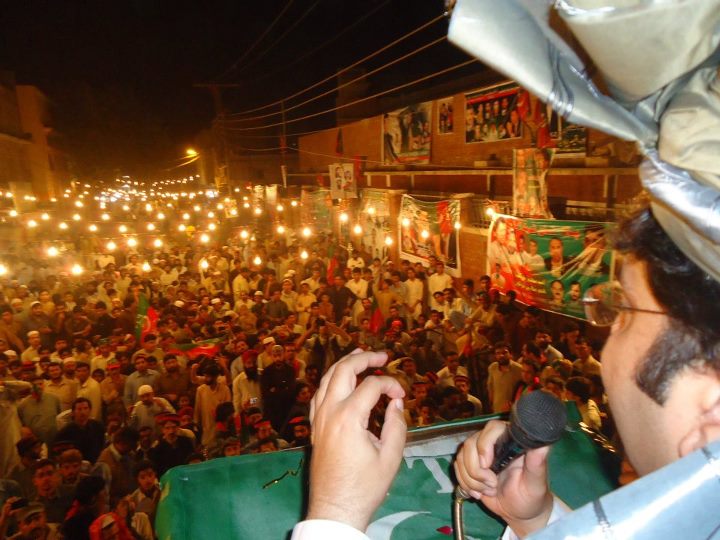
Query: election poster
{"points": [[549, 263], [375, 212], [427, 228], [445, 119], [530, 167], [342, 181], [407, 135], [316, 207], [495, 113]]}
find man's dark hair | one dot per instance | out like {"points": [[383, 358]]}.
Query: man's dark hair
{"points": [[144, 465], [579, 386], [81, 400], [127, 435], [692, 338]]}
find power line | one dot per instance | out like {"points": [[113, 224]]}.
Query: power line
{"points": [[280, 38], [356, 79], [355, 64], [361, 100], [257, 41]]}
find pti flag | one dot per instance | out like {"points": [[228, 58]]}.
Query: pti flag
{"points": [[146, 319], [202, 500], [549, 263]]}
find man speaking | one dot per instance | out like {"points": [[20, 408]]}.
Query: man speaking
{"points": [[660, 365]]}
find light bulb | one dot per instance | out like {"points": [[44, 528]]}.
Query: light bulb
{"points": [[371, 210], [204, 238], [303, 254], [161, 215], [132, 242], [186, 216], [306, 232], [150, 226], [258, 210], [110, 246], [280, 229], [257, 261], [122, 228], [76, 217], [3, 270], [157, 243], [405, 222], [343, 217], [280, 208], [52, 251], [244, 234], [357, 229], [45, 216], [32, 223], [211, 215], [425, 235], [145, 267], [181, 227], [457, 225], [13, 213], [76, 269], [92, 228], [63, 225], [212, 226], [204, 264], [388, 241], [293, 203]]}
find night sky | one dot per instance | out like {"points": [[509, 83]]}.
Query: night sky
{"points": [[120, 75]]}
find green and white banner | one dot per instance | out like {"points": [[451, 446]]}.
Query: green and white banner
{"points": [[264, 495]]}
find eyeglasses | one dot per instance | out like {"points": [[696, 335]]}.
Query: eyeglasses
{"points": [[605, 301]]}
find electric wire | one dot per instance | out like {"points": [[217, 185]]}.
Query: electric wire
{"points": [[348, 83], [357, 101], [351, 66], [257, 41]]}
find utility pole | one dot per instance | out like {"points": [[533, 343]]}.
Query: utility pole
{"points": [[283, 144], [220, 117]]}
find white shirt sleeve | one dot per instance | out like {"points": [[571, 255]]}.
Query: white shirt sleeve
{"points": [[559, 510], [324, 529]]}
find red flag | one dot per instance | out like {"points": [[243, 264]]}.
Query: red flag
{"points": [[376, 319]]}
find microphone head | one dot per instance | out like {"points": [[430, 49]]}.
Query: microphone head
{"points": [[537, 419]]}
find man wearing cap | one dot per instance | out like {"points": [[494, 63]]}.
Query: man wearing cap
{"points": [[150, 348], [246, 385], [104, 354], [86, 434], [34, 342], [141, 376], [112, 387], [38, 320], [146, 410], [301, 431], [288, 295], [38, 411], [277, 384], [56, 498], [172, 449], [32, 524], [65, 389]]}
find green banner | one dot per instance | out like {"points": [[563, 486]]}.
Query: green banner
{"points": [[549, 263], [264, 495]]}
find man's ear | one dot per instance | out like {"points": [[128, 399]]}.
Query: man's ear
{"points": [[706, 399]]}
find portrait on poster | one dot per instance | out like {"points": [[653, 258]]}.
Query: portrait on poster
{"points": [[494, 114], [445, 120]]}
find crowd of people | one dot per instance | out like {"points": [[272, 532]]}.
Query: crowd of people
{"points": [[110, 379]]}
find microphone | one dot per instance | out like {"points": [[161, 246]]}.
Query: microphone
{"points": [[537, 419]]}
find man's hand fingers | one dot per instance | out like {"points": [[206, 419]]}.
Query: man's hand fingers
{"points": [[535, 469], [343, 378], [361, 402], [325, 381], [392, 436]]}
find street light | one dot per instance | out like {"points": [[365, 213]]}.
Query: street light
{"points": [[191, 152]]}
